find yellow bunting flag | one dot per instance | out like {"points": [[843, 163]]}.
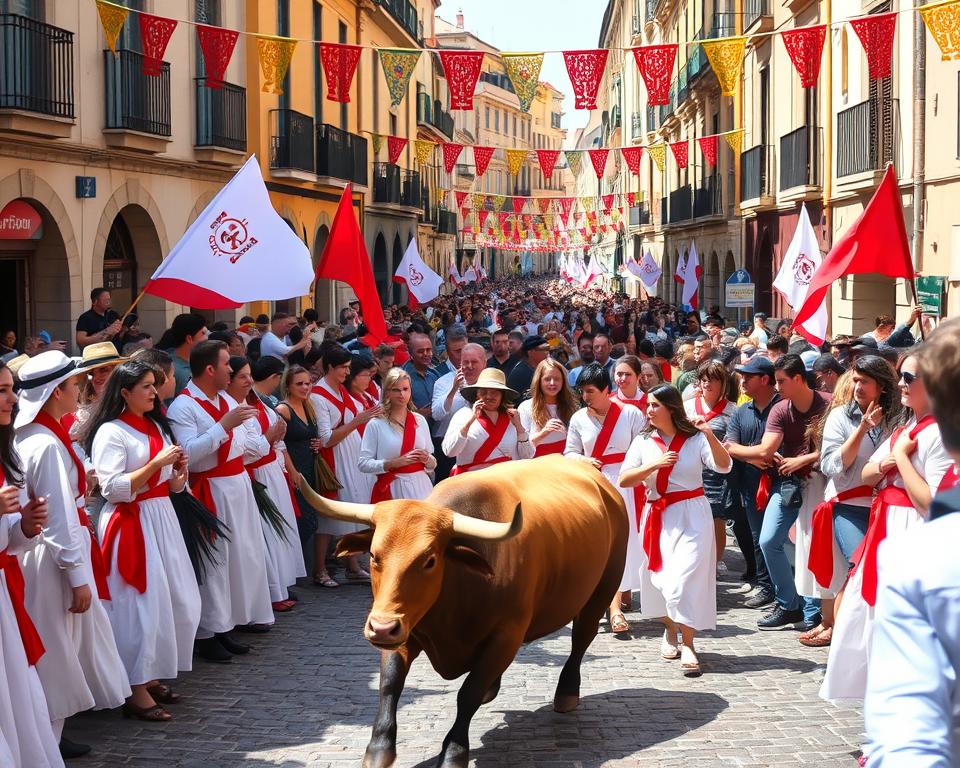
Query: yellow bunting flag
{"points": [[478, 201], [515, 160], [274, 54], [377, 141], [943, 21], [523, 69], [112, 18], [424, 150], [726, 57], [659, 154], [735, 140], [587, 203], [498, 201]]}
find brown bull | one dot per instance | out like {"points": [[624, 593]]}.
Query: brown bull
{"points": [[490, 560]]}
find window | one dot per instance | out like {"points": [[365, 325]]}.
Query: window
{"points": [[283, 30], [514, 126], [496, 120], [343, 107], [317, 71], [487, 117]]}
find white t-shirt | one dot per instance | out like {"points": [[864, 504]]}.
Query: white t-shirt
{"points": [[272, 346]]}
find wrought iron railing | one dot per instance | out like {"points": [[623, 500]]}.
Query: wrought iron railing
{"points": [[800, 158], [681, 204], [707, 198], [410, 192], [639, 215], [341, 155], [36, 66], [868, 135], [221, 115], [756, 172], [386, 183], [291, 140], [405, 14], [136, 101]]}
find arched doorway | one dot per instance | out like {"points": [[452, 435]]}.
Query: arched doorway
{"points": [[765, 270], [323, 290], [292, 305], [711, 281], [395, 294], [381, 269]]}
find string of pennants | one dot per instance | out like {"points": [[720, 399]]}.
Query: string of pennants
{"points": [[585, 68]]}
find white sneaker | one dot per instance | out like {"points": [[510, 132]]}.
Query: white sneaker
{"points": [[722, 569]]}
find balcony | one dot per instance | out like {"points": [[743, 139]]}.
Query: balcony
{"points": [[446, 222], [431, 113], [800, 159], [616, 119], [497, 79], [757, 12], [640, 215], [464, 171], [555, 120], [664, 211], [410, 192], [681, 208], [697, 62], [386, 184], [405, 14], [291, 145], [757, 176], [868, 137], [36, 77], [221, 122], [708, 198], [341, 156], [137, 105]]}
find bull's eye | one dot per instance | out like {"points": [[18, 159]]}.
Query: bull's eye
{"points": [[430, 563], [374, 561]]}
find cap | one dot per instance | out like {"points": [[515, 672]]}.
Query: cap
{"points": [[45, 335], [532, 342], [865, 342], [827, 362], [809, 358], [756, 364]]}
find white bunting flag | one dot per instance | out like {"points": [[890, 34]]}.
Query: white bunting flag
{"points": [[423, 284], [691, 278], [650, 273], [801, 260]]}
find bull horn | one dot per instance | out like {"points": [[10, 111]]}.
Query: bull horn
{"points": [[487, 530], [338, 510]]}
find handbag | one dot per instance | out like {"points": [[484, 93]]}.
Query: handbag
{"points": [[791, 492], [326, 481]]}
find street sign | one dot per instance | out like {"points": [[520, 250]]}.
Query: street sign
{"points": [[739, 289], [930, 289]]}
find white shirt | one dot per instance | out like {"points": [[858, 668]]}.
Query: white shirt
{"points": [[442, 416], [272, 346], [465, 448]]}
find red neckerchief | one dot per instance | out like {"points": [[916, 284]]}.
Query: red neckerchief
{"points": [[701, 407], [216, 413], [149, 428], [606, 430], [344, 404], [372, 390], [44, 419], [262, 418], [381, 489], [495, 432]]}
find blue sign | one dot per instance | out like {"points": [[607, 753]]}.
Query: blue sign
{"points": [[86, 186], [739, 277]]}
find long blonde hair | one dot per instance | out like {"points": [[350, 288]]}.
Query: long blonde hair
{"points": [[566, 402], [842, 396], [389, 380]]}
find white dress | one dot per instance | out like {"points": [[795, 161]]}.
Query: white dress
{"points": [[686, 586], [554, 439], [846, 675], [382, 440], [582, 435], [234, 590], [284, 554], [813, 493], [154, 630], [81, 668], [26, 738], [464, 449]]}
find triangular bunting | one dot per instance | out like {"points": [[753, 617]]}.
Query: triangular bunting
{"points": [[339, 65], [515, 160], [655, 63], [726, 57], [735, 140], [462, 70], [805, 48], [548, 161], [876, 35], [523, 69], [461, 196], [398, 66], [586, 71], [424, 150], [943, 22], [708, 145], [599, 159], [395, 146], [217, 45], [681, 150], [155, 32], [518, 203], [631, 156], [451, 152], [659, 154], [274, 54], [574, 160], [112, 18], [376, 139], [481, 159]]}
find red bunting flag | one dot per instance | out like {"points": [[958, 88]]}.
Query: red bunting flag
{"points": [[586, 71], [339, 65], [607, 203], [395, 146], [599, 159], [482, 216], [632, 199], [548, 161], [543, 203], [566, 204], [503, 216], [680, 152], [708, 145], [217, 45], [155, 33], [462, 70], [805, 48], [461, 196], [631, 156], [876, 35], [451, 152], [481, 159], [517, 203], [655, 63]]}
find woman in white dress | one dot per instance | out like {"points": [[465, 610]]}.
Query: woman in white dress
{"points": [[362, 370], [26, 738], [488, 431], [397, 446], [154, 605], [678, 530], [546, 415], [601, 434], [284, 557], [906, 470]]}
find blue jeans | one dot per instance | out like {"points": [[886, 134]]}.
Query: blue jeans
{"points": [[755, 521], [849, 527], [773, 535]]}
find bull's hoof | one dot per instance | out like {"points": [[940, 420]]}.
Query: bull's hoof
{"points": [[565, 702], [378, 758], [454, 756]]}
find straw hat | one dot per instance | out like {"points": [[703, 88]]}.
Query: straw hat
{"points": [[98, 355], [490, 378], [39, 377], [15, 363]]}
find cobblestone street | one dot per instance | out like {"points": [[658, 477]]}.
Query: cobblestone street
{"points": [[306, 696]]}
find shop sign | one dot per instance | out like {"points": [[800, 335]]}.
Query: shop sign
{"points": [[19, 221]]}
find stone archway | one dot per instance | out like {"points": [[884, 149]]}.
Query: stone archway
{"points": [[381, 266], [395, 291]]}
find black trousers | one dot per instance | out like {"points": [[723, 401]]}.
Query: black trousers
{"points": [[444, 462]]}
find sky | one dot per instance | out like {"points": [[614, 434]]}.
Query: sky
{"points": [[536, 25]]}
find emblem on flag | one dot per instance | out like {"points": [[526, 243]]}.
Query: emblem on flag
{"points": [[230, 237]]}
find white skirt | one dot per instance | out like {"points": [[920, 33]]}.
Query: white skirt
{"points": [[155, 631], [82, 668], [685, 589], [636, 559], [849, 660], [26, 738], [234, 590], [415, 485], [806, 582], [284, 555]]}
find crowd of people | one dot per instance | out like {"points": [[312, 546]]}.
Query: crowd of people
{"points": [[151, 504]]}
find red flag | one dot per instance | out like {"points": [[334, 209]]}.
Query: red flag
{"points": [[607, 202], [548, 159], [451, 152], [586, 71], [805, 48], [217, 44], [339, 65], [481, 159], [599, 159], [518, 203], [631, 156], [655, 63], [876, 33], [345, 258], [155, 33], [876, 242], [461, 196], [462, 70], [708, 145], [395, 147], [680, 152]]}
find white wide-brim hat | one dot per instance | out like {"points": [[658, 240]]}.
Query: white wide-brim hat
{"points": [[39, 377], [490, 378]]}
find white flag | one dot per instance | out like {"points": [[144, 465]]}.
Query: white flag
{"points": [[596, 270], [454, 274], [469, 274], [691, 278], [801, 260], [237, 250], [421, 281], [649, 273]]}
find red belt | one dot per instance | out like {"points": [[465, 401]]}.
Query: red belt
{"points": [[200, 481], [381, 488], [820, 558], [32, 643], [125, 524], [461, 468], [654, 526], [97, 565], [546, 449], [891, 496]]}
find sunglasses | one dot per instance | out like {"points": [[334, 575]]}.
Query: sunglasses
{"points": [[908, 378]]}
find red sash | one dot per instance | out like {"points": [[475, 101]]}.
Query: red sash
{"points": [[495, 434], [341, 406], [606, 432], [890, 496], [547, 449], [820, 558], [654, 526], [381, 489], [949, 480], [701, 408], [639, 402], [10, 566], [124, 528], [96, 557], [373, 391], [763, 491]]}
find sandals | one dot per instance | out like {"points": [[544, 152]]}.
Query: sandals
{"points": [[618, 624], [812, 633], [669, 651], [282, 606], [819, 640], [689, 663], [154, 714], [358, 576], [324, 580], [163, 694]]}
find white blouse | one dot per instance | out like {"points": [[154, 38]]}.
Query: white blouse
{"points": [[383, 440], [118, 451], [687, 473], [465, 448]]}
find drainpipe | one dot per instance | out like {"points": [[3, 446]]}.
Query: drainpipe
{"points": [[828, 147], [919, 129]]}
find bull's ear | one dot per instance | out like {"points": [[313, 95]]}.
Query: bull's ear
{"points": [[470, 558], [354, 543]]}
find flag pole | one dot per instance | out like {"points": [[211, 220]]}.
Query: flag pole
{"points": [[137, 301]]}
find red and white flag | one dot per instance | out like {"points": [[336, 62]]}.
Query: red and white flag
{"points": [[650, 273], [596, 270], [454, 274], [800, 262], [470, 274], [691, 278], [237, 250], [423, 284]]}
